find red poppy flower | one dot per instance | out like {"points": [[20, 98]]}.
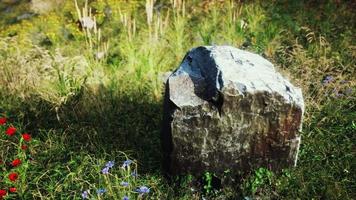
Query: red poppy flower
{"points": [[2, 120], [2, 193], [24, 147], [16, 162], [13, 176], [12, 189], [26, 137], [10, 131]]}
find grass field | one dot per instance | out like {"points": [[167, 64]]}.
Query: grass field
{"points": [[92, 93]]}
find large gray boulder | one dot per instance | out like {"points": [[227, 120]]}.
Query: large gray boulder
{"points": [[229, 109]]}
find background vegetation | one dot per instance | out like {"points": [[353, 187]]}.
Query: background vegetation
{"points": [[89, 94]]}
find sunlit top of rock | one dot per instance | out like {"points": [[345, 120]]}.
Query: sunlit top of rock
{"points": [[225, 66]]}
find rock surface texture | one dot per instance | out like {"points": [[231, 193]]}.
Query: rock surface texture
{"points": [[226, 108]]}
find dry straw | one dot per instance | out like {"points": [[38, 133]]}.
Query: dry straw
{"points": [[93, 34]]}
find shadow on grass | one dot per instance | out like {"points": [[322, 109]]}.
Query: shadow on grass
{"points": [[99, 121]]}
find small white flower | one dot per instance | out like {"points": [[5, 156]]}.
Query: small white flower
{"points": [[243, 24], [88, 22], [100, 55]]}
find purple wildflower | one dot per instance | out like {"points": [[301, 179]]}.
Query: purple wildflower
{"points": [[143, 190], [125, 198], [109, 164], [126, 163], [328, 79], [134, 174], [123, 183], [105, 170], [85, 194], [101, 191]]}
